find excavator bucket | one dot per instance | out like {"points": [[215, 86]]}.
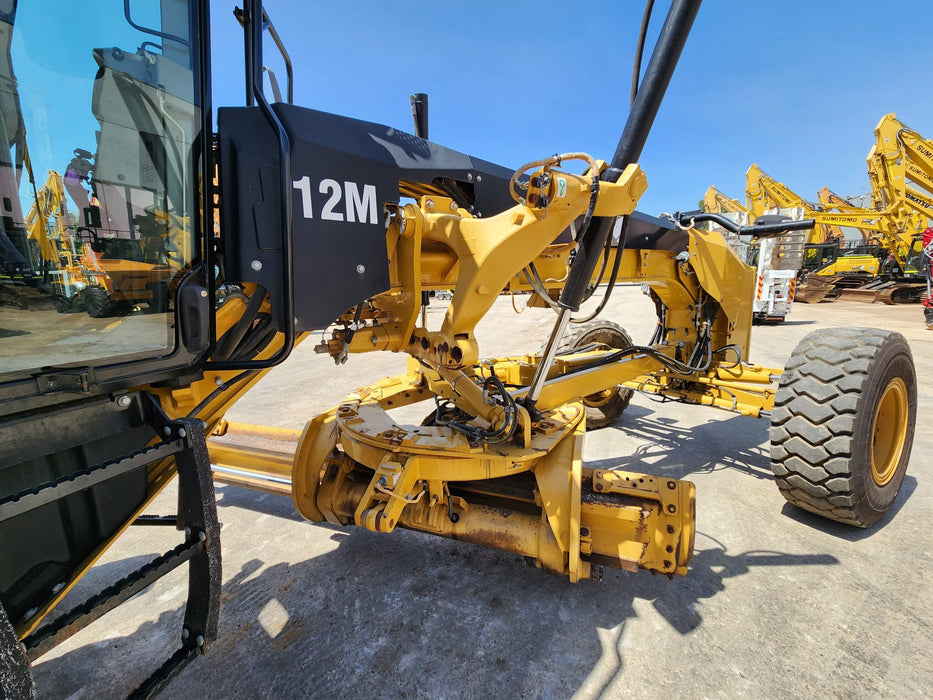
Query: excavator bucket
{"points": [[813, 290], [867, 294]]}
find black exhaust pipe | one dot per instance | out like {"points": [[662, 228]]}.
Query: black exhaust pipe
{"points": [[419, 113]]}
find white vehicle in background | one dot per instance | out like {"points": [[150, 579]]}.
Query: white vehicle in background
{"points": [[776, 260]]}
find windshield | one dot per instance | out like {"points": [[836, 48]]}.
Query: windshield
{"points": [[98, 116]]}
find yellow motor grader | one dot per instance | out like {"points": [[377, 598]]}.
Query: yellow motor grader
{"points": [[331, 222]]}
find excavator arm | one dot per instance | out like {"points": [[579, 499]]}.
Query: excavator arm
{"points": [[715, 202], [901, 157], [763, 192], [831, 200]]}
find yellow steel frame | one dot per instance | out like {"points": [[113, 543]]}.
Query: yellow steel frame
{"points": [[355, 464]]}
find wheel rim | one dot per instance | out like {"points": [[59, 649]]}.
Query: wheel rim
{"points": [[600, 398], [610, 340], [889, 430]]}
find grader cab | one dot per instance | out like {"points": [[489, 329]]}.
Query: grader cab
{"points": [[331, 222]]}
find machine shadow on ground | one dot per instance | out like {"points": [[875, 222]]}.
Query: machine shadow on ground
{"points": [[795, 323], [679, 450], [359, 620]]}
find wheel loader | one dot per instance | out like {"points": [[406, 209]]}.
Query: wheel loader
{"points": [[294, 220]]}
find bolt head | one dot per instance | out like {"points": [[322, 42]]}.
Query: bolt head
{"points": [[429, 203], [361, 269], [256, 265], [124, 401]]}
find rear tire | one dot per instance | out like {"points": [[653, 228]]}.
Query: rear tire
{"points": [[604, 407], [62, 303], [843, 423], [99, 304]]}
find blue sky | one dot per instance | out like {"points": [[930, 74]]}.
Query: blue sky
{"points": [[797, 87]]}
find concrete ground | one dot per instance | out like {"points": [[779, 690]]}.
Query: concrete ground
{"points": [[778, 603]]}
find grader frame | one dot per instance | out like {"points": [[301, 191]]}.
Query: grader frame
{"points": [[499, 459]]}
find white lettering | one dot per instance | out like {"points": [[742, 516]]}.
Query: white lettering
{"points": [[328, 212], [304, 186], [363, 206], [360, 200]]}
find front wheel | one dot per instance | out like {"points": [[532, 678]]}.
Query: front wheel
{"points": [[603, 407], [97, 302], [843, 423]]}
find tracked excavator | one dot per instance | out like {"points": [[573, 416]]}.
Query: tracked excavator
{"points": [[48, 229], [324, 221], [902, 157], [885, 270]]}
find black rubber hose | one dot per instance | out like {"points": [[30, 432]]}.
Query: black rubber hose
{"points": [[232, 338], [637, 127]]}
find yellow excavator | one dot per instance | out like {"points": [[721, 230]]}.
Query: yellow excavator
{"points": [[48, 227], [331, 222], [715, 202], [830, 200], [881, 272]]}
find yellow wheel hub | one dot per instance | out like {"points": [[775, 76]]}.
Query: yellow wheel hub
{"points": [[600, 398], [889, 431]]}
